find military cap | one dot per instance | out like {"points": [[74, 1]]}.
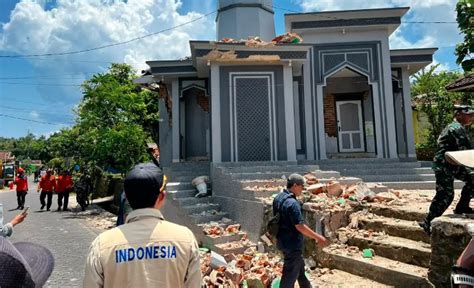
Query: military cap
{"points": [[466, 109]]}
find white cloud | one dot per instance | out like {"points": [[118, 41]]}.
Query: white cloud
{"points": [[441, 66], [75, 25], [408, 35], [34, 114]]}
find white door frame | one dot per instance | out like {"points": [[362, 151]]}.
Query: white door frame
{"points": [[360, 131]]}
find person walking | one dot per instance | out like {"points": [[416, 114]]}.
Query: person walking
{"points": [[454, 137], [291, 231], [21, 182], [47, 186], [147, 251], [64, 186]]}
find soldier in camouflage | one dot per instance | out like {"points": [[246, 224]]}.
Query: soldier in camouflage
{"points": [[453, 138]]}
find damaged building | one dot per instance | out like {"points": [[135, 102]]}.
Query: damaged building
{"points": [[335, 89]]}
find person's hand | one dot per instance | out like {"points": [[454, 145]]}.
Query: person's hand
{"points": [[19, 218], [321, 241]]}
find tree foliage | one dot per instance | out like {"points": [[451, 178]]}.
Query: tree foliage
{"points": [[465, 50], [115, 119], [431, 97]]}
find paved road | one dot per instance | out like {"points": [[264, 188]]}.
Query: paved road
{"points": [[65, 233]]}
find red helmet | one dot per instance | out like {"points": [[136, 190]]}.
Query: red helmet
{"points": [[21, 170]]}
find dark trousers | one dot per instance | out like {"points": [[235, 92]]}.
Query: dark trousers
{"points": [[50, 199], [20, 198], [445, 193], [293, 270], [62, 195]]}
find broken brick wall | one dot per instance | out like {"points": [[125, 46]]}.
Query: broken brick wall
{"points": [[330, 125], [325, 222], [241, 205]]}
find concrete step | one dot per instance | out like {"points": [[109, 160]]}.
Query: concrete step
{"points": [[209, 216], [394, 227], [281, 182], [352, 160], [362, 164], [188, 173], [396, 178], [211, 241], [189, 201], [200, 207], [185, 193], [416, 185], [395, 248], [380, 269], [273, 175], [388, 171], [398, 213], [299, 168], [174, 186], [186, 178], [256, 163], [235, 247]]}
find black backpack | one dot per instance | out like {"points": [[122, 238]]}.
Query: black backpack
{"points": [[273, 225]]}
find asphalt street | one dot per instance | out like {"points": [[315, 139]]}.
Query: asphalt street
{"points": [[66, 234]]}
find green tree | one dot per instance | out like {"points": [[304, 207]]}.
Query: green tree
{"points": [[431, 97], [115, 119], [465, 19]]}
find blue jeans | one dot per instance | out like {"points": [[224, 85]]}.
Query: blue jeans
{"points": [[293, 269]]}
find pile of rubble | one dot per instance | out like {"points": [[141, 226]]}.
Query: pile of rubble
{"points": [[256, 42], [222, 228], [250, 269]]}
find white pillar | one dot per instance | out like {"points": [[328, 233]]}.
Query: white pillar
{"points": [[408, 114], [289, 113], [308, 111], [176, 118], [377, 119], [388, 96], [216, 114], [320, 115]]}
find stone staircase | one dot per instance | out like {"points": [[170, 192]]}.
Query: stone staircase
{"points": [[390, 173], [196, 213], [401, 248]]}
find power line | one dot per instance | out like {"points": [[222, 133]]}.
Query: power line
{"points": [[49, 76], [35, 121], [40, 84], [109, 45]]}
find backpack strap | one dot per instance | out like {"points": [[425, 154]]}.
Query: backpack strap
{"points": [[283, 202]]}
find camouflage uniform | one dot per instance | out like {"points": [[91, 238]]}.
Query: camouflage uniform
{"points": [[453, 138]]}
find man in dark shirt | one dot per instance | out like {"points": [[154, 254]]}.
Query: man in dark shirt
{"points": [[453, 138], [291, 231]]}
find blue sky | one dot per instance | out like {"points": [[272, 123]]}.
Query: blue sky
{"points": [[42, 91]]}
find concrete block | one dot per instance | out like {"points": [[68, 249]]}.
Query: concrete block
{"points": [[449, 237]]}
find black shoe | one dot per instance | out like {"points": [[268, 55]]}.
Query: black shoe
{"points": [[426, 226], [21, 208], [48, 209], [465, 210], [59, 209], [18, 208], [42, 207], [66, 209]]}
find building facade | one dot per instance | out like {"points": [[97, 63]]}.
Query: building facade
{"points": [[341, 93]]}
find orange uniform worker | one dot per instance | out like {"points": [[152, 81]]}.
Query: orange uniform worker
{"points": [[64, 185], [21, 182], [47, 185]]}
